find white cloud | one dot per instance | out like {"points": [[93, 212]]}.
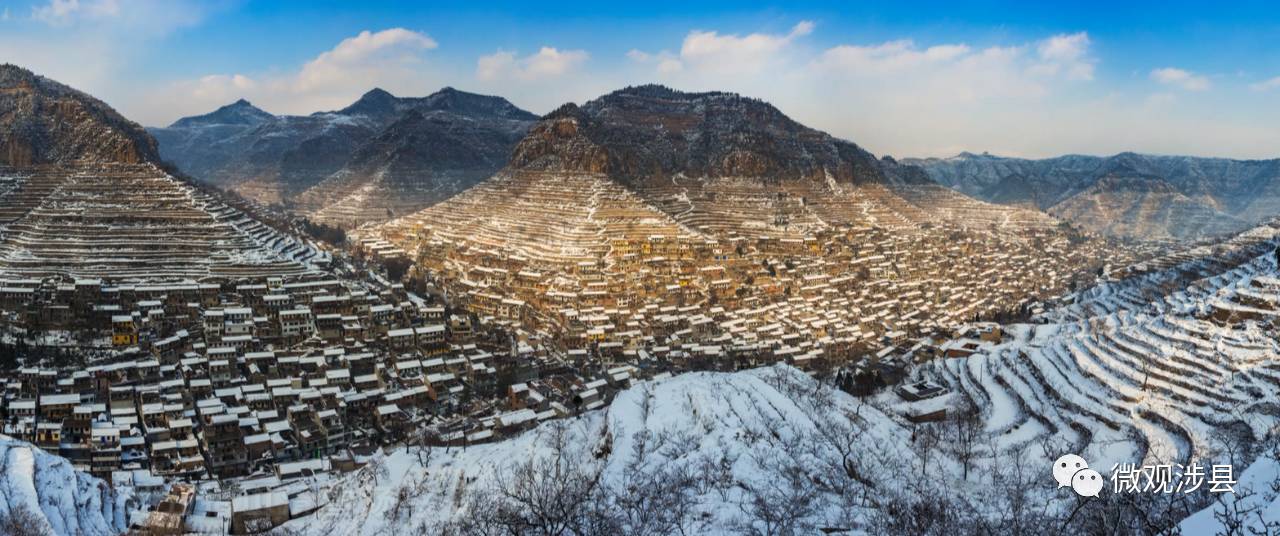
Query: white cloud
{"points": [[1266, 85], [56, 12], [393, 59], [900, 70], [665, 62], [1067, 54], [219, 88], [731, 53], [1172, 76], [548, 62], [889, 57], [669, 65], [144, 17], [898, 96], [1039, 97], [804, 27], [368, 55], [902, 73], [4, 17]]}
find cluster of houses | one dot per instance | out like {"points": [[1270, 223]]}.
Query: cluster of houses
{"points": [[272, 378], [816, 300]]}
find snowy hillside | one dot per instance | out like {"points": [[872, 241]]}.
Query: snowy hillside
{"points": [[42, 494], [703, 451], [766, 451]]}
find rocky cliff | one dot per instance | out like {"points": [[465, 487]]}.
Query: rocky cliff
{"points": [[43, 121], [647, 133]]}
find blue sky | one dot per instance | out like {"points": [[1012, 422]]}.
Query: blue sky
{"points": [[907, 79]]}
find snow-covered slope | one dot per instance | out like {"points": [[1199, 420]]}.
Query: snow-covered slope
{"points": [[50, 497], [1255, 509], [728, 436]]}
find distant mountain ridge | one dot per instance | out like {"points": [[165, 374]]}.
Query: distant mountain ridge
{"points": [[439, 146], [278, 158], [1220, 194]]}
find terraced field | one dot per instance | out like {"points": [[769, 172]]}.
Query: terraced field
{"points": [[750, 207], [572, 217], [544, 217], [1187, 375], [1178, 278], [347, 200], [132, 221]]}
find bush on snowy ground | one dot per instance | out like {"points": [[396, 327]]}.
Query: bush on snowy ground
{"points": [[20, 521]]}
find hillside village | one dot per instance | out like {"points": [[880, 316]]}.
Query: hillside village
{"points": [[277, 379], [817, 296]]}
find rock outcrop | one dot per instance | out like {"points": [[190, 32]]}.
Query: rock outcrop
{"points": [[648, 133], [44, 122]]}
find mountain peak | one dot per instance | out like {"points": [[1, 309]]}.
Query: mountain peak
{"points": [[473, 104], [968, 155], [10, 73], [659, 91], [376, 94], [241, 112], [376, 103], [649, 132]]}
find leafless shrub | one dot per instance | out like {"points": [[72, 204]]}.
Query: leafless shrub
{"points": [[21, 521]]}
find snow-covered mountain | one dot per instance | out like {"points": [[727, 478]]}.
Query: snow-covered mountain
{"points": [[439, 146], [239, 113], [42, 494]]}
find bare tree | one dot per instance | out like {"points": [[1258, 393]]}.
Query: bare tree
{"points": [[654, 499], [781, 503], [966, 436], [550, 494], [21, 521], [925, 439]]}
